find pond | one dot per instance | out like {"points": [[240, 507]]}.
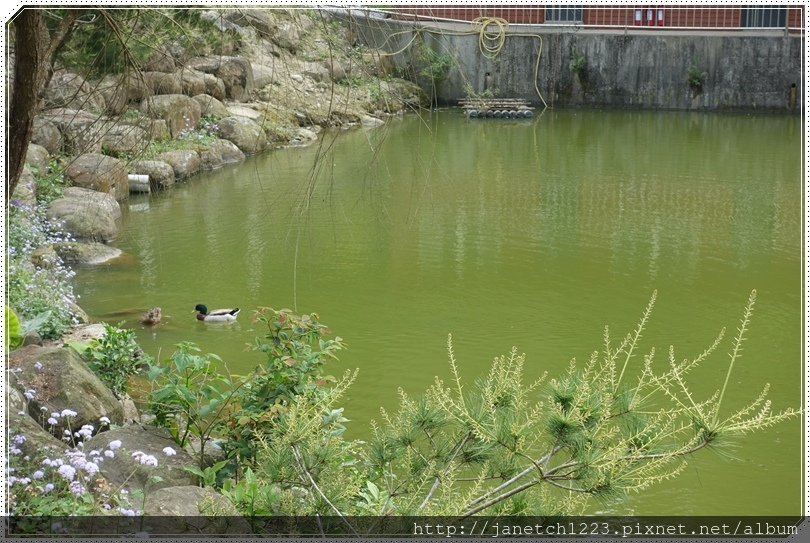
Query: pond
{"points": [[534, 233]]}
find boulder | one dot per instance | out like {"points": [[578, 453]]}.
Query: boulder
{"points": [[244, 133], [135, 85], [210, 106], [70, 90], [85, 254], [245, 111], [317, 72], [111, 205], [263, 21], [193, 510], [191, 82], [237, 75], [209, 159], [45, 257], [47, 134], [161, 60], [85, 333], [57, 379], [228, 150], [214, 86], [304, 135], [87, 217], [124, 139], [180, 112], [126, 471], [26, 190], [39, 158], [369, 121], [264, 75], [287, 36], [155, 129], [336, 70], [184, 162], [81, 131], [161, 174], [161, 83], [38, 442], [115, 94], [100, 173]]}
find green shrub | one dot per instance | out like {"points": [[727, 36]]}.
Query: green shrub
{"points": [[113, 358], [190, 396], [297, 349]]}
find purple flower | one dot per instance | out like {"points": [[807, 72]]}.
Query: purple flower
{"points": [[67, 472], [18, 439], [52, 421], [16, 202], [68, 413], [145, 459], [168, 451], [38, 365], [109, 454], [47, 488], [39, 474], [30, 394], [77, 488], [115, 444]]}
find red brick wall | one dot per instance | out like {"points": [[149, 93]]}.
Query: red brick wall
{"points": [[675, 16]]}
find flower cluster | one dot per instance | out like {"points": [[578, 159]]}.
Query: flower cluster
{"points": [[34, 288], [68, 481], [207, 130]]}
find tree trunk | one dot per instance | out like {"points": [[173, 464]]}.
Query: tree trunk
{"points": [[30, 47], [34, 49]]}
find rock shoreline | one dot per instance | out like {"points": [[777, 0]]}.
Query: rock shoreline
{"points": [[269, 94]]}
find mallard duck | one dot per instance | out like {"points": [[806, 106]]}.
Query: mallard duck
{"points": [[217, 315], [152, 316]]}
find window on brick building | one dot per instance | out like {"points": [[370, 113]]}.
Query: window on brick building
{"points": [[764, 17], [564, 14]]}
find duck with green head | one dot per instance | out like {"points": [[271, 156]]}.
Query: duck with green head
{"points": [[217, 315]]}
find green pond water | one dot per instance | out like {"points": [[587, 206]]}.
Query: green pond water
{"points": [[529, 233]]}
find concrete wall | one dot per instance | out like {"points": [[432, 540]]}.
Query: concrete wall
{"points": [[638, 69]]}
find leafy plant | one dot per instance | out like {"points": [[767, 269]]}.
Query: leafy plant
{"points": [[297, 349], [695, 77], [434, 65], [208, 476], [113, 358], [190, 397], [578, 62], [16, 330]]}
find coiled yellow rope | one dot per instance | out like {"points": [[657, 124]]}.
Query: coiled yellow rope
{"points": [[490, 42]]}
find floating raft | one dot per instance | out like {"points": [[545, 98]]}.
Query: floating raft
{"points": [[512, 108]]}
